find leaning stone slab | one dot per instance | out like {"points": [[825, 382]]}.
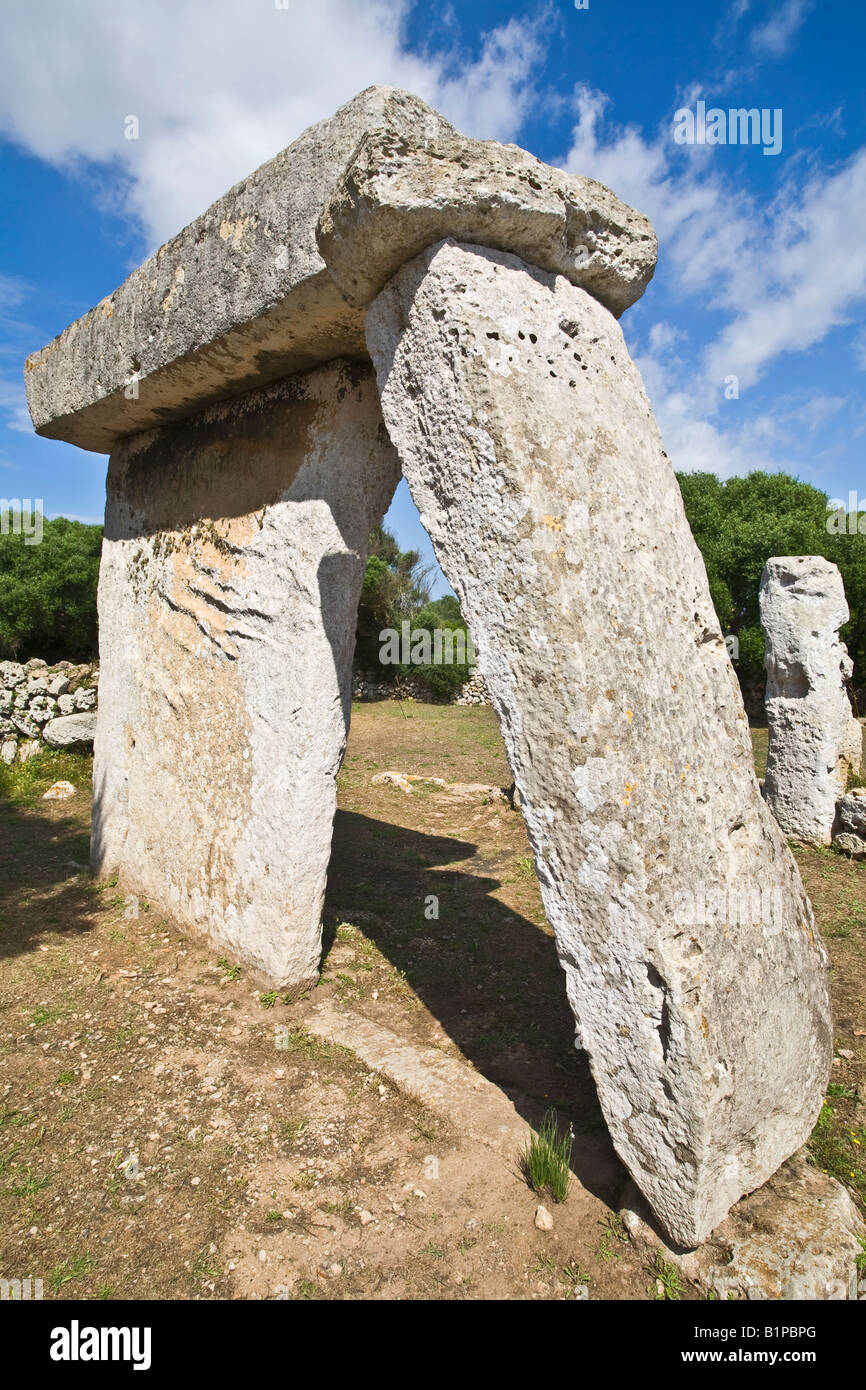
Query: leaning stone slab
{"points": [[696, 976], [813, 738], [245, 296], [797, 1238], [234, 553]]}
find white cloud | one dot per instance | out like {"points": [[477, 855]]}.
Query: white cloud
{"points": [[782, 275], [219, 88], [13, 404], [776, 37]]}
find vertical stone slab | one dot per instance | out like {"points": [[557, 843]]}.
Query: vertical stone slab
{"points": [[692, 965], [234, 554], [813, 738]]}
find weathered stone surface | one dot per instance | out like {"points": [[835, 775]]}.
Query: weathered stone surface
{"points": [[798, 1237], [398, 196], [12, 673], [850, 844], [70, 729], [243, 296], [234, 553], [851, 812], [813, 737], [693, 968]]}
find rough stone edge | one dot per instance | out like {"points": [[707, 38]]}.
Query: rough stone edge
{"points": [[709, 1266], [214, 313]]}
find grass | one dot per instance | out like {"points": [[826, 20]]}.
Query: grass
{"points": [[24, 783], [575, 1274], [546, 1158], [840, 1150], [75, 1267], [293, 1129], [667, 1286]]}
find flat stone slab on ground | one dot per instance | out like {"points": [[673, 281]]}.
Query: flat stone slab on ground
{"points": [[450, 1088]]}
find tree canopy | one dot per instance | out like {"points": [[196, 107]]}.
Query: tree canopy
{"points": [[738, 524], [48, 593]]}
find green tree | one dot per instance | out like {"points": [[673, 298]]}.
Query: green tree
{"points": [[740, 523], [396, 586], [48, 593]]}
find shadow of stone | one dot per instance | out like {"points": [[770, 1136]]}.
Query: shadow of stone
{"points": [[491, 977], [41, 890]]}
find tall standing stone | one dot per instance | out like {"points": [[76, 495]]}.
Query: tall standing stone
{"points": [[234, 553], [813, 738], [693, 968]]}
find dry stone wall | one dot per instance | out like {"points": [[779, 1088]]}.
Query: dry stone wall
{"points": [[46, 706]]}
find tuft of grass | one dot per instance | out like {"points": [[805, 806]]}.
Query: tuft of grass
{"points": [[45, 1013], [614, 1230], [203, 1267], [73, 1268], [547, 1157], [667, 1286], [837, 1149], [574, 1274], [293, 1129]]}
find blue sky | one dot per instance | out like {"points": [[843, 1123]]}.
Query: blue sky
{"points": [[762, 264]]}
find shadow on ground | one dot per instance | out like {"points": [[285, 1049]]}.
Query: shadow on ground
{"points": [[44, 880], [490, 976]]}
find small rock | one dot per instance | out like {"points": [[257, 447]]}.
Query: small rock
{"points": [[850, 844], [365, 1217], [60, 791], [395, 779], [543, 1219]]}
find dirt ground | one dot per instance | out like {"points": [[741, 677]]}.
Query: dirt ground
{"points": [[167, 1131]]}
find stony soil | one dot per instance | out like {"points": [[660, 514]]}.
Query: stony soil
{"points": [[168, 1132]]}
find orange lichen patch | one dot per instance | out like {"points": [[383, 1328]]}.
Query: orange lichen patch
{"points": [[235, 231], [553, 522]]}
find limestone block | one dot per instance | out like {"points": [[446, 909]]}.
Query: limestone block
{"points": [[696, 976], [851, 812], [12, 673], [69, 730], [243, 296], [234, 553], [813, 737], [400, 194]]}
